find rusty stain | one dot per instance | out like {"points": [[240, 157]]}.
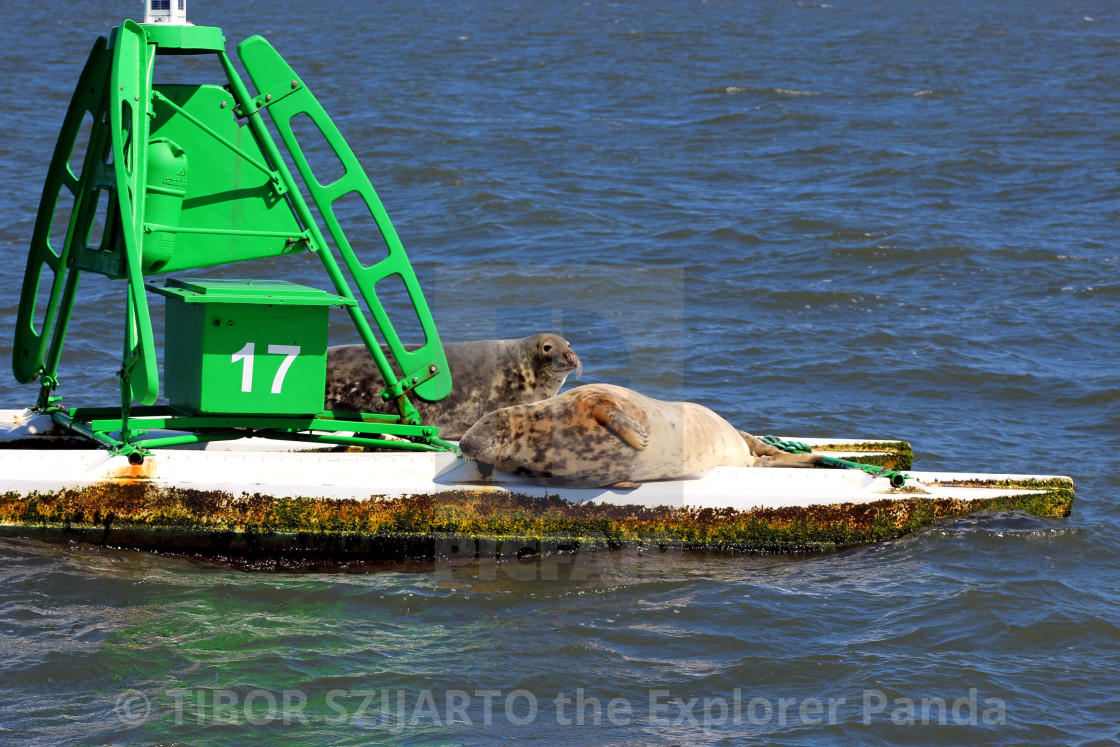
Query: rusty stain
{"points": [[127, 471]]}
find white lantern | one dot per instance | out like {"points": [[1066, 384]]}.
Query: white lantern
{"points": [[166, 11]]}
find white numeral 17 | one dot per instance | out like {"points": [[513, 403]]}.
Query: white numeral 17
{"points": [[245, 355]]}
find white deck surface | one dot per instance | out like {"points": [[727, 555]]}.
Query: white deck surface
{"points": [[263, 466]]}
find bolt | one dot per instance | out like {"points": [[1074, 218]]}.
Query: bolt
{"points": [[431, 369], [415, 379], [268, 97], [223, 104], [295, 84]]}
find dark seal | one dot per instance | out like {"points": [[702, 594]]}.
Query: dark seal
{"points": [[486, 375]]}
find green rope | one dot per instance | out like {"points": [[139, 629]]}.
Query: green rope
{"points": [[793, 447], [897, 479]]}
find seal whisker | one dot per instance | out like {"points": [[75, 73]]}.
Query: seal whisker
{"points": [[562, 368]]}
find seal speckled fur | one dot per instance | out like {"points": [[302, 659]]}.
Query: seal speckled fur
{"points": [[601, 434], [486, 375]]}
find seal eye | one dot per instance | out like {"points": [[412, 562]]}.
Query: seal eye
{"points": [[547, 348]]}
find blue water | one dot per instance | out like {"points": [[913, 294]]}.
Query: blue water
{"points": [[844, 218]]}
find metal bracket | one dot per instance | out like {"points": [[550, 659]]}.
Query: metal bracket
{"points": [[409, 382], [265, 100]]}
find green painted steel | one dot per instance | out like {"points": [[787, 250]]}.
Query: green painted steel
{"points": [[210, 210], [210, 290], [286, 97], [186, 39], [185, 184], [129, 92], [245, 347], [36, 350]]}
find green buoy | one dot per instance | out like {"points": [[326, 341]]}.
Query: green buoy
{"points": [[189, 176]]}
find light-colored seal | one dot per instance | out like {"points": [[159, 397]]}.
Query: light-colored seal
{"points": [[605, 435], [486, 375]]}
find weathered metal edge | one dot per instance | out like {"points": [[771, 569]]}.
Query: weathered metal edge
{"points": [[142, 517]]}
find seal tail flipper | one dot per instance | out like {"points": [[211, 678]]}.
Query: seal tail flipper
{"points": [[621, 423], [772, 456], [759, 447], [790, 460]]}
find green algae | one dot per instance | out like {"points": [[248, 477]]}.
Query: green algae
{"points": [[139, 516]]}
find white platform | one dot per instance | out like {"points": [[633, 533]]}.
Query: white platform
{"points": [[284, 469]]}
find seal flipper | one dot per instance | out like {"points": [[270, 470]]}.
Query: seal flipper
{"points": [[625, 485], [790, 460], [772, 456], [621, 423], [759, 447]]}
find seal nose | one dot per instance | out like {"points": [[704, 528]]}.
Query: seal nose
{"points": [[469, 445], [476, 446], [570, 359]]}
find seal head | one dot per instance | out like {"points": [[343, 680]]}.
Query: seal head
{"points": [[486, 375]]}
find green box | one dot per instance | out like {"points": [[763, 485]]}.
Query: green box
{"points": [[246, 347]]}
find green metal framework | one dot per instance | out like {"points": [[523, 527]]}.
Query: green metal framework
{"points": [[189, 187]]}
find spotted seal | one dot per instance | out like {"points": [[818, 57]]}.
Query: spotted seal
{"points": [[486, 375], [605, 435]]}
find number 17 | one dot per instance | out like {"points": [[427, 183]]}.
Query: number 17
{"points": [[245, 355]]}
